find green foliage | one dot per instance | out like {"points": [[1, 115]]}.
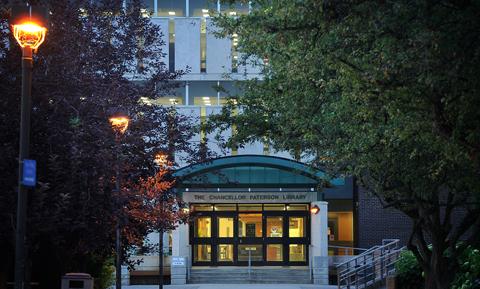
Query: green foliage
{"points": [[468, 276], [409, 273], [105, 278], [384, 90]]}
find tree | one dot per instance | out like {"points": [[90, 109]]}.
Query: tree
{"points": [[98, 59], [156, 202], [384, 90]]}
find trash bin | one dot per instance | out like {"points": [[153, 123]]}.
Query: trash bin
{"points": [[77, 281]]}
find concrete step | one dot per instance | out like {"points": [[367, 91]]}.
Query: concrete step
{"points": [[240, 275]]}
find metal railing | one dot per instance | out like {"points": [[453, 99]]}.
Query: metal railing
{"points": [[370, 267]]}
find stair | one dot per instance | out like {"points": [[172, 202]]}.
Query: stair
{"points": [[240, 275]]}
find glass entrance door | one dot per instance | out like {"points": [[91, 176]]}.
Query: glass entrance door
{"points": [[223, 235]]}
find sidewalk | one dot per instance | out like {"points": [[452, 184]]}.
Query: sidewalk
{"points": [[234, 286]]}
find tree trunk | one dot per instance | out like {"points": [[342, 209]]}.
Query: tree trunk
{"points": [[160, 260], [440, 273]]}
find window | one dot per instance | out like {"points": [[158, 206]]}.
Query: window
{"points": [[297, 207], [171, 45], [171, 8], [227, 207], [202, 208], [273, 207], [203, 228], [275, 227], [234, 9], [296, 227], [297, 253], [274, 252], [250, 207], [201, 8], [225, 227], [202, 253], [250, 225], [203, 93], [225, 253], [203, 46]]}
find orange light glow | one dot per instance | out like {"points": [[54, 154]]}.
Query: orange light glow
{"points": [[314, 210], [29, 34], [119, 124], [161, 159]]}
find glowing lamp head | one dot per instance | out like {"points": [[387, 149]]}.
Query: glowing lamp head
{"points": [[119, 124], [29, 34], [161, 159], [314, 210]]}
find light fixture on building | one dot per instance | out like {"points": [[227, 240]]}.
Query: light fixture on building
{"points": [[171, 13], [232, 13], [314, 210], [205, 10]]}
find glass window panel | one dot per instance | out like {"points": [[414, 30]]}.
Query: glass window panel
{"points": [[171, 8], [234, 9], [225, 253], [296, 227], [297, 207], [256, 252], [203, 93], [202, 253], [201, 8], [296, 253], [226, 207], [202, 208], [340, 226], [274, 252], [225, 227], [250, 207], [203, 227], [250, 225], [273, 207], [146, 6], [274, 227]]}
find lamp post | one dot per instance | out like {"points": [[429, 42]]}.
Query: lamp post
{"points": [[119, 125], [161, 160], [29, 35]]}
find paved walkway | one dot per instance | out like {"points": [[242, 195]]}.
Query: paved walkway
{"points": [[234, 286]]}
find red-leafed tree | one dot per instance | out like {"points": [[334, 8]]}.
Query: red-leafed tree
{"points": [[154, 202]]}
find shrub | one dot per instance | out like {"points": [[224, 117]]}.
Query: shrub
{"points": [[468, 276], [409, 272]]}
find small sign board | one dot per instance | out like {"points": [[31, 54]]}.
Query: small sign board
{"points": [[251, 248], [29, 176], [178, 261]]}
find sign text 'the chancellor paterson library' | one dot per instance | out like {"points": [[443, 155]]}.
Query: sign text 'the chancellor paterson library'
{"points": [[250, 197]]}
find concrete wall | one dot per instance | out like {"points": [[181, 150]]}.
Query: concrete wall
{"points": [[187, 44]]}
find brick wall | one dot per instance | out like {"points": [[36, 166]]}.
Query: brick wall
{"points": [[375, 223]]}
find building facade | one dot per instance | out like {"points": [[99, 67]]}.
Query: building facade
{"points": [[253, 205]]}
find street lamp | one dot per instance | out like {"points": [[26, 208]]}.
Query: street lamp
{"points": [[29, 34], [119, 126]]}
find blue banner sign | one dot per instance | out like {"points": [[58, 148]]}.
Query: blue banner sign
{"points": [[29, 177]]}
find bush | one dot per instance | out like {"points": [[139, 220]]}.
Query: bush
{"points": [[468, 276], [409, 272]]}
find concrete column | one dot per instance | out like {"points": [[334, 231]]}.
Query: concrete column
{"points": [[125, 275], [319, 242], [180, 241]]}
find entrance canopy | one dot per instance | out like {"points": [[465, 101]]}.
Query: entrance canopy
{"points": [[253, 171]]}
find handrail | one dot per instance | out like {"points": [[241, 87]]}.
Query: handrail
{"points": [[370, 267]]}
